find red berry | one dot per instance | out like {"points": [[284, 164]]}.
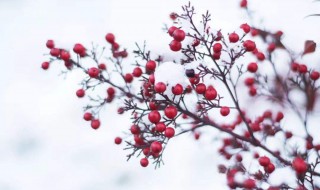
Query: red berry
{"points": [[110, 38], [252, 91], [303, 68], [271, 47], [79, 49], [171, 30], [156, 147], [210, 93], [217, 47], [299, 165], [151, 65], [115, 47], [249, 45], [154, 116], [233, 37], [137, 72], [294, 67], [93, 72], [239, 157], [144, 162], [110, 92], [216, 56], [153, 106], [195, 42], [270, 168], [243, 3], [55, 52], [177, 89], [173, 16], [179, 35], [151, 79], [45, 65], [260, 56], [171, 112], [279, 116], [252, 67], [65, 55], [175, 45], [288, 134], [135, 129], [245, 27], [102, 66], [80, 93], [146, 151], [160, 127], [160, 87], [224, 110], [264, 161], [87, 116], [201, 88], [267, 114], [254, 32], [117, 140], [169, 132], [128, 78], [314, 75], [50, 44], [249, 184], [249, 81], [95, 124]]}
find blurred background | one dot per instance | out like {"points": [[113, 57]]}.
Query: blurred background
{"points": [[44, 142]]}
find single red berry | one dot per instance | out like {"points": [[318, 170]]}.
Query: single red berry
{"points": [[252, 91], [195, 79], [152, 79], [239, 157], [249, 184], [93, 72], [169, 132], [110, 38], [233, 37], [254, 32], [137, 72], [153, 106], [144, 162], [271, 47], [50, 44], [111, 91], [216, 56], [154, 116], [267, 114], [45, 65], [175, 45], [303, 68], [117, 140], [179, 35], [156, 147], [252, 67], [294, 67], [210, 93], [217, 47], [201, 88], [249, 81], [151, 65], [65, 55], [260, 56], [195, 42], [160, 87], [128, 78], [245, 27], [171, 30], [171, 112], [279, 116], [115, 47], [79, 49], [102, 66], [177, 89], [243, 3], [270, 168], [224, 110], [55, 52], [95, 124], [288, 134], [299, 165], [314, 75], [249, 45], [80, 93], [160, 127], [196, 135], [264, 161], [173, 16], [87, 116], [134, 129], [146, 151]]}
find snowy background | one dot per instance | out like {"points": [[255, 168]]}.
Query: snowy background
{"points": [[45, 144]]}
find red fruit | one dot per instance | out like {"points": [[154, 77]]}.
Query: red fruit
{"points": [[224, 110], [87, 116], [151, 79], [271, 47], [154, 116], [245, 27], [65, 55], [264, 161], [117, 140], [153, 106], [160, 87], [303, 68], [288, 134], [146, 151], [249, 184], [173, 16], [210, 93], [175, 45], [137, 72], [95, 124], [249, 45], [110, 92], [151, 65], [171, 112], [93, 72], [201, 88], [156, 147], [217, 47], [55, 52], [233, 37], [314, 75], [177, 89], [279, 116], [216, 56], [239, 157], [134, 129], [80, 93], [249, 81], [110, 38], [252, 67], [128, 78], [267, 114], [50, 44], [260, 56], [169, 132], [144, 162], [195, 42], [179, 35], [270, 168], [196, 135], [252, 91], [79, 49], [45, 65], [254, 32], [102, 66], [299, 165], [160, 127], [171, 30], [243, 3], [294, 67], [115, 47]]}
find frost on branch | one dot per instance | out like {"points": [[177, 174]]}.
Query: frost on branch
{"points": [[218, 80]]}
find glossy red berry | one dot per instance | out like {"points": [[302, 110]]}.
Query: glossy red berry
{"points": [[50, 44], [171, 30], [110, 38], [249, 45], [153, 106], [93, 72], [249, 81], [45, 65], [217, 47], [249, 184], [65, 55], [252, 67], [243, 3], [151, 65], [144, 162], [55, 52], [224, 110], [154, 116], [299, 165], [271, 47], [264, 161], [102, 66], [233, 37], [115, 47], [260, 56], [252, 91], [87, 116], [216, 56], [270, 168], [117, 140], [179, 35], [175, 45], [160, 87], [245, 27], [303, 69], [254, 32], [279, 116], [156, 147], [160, 127], [79, 49], [95, 124], [80, 93], [128, 78], [314, 75], [210, 93], [170, 112], [169, 132], [151, 79], [134, 129], [111, 91], [137, 72], [177, 89], [195, 42], [294, 67], [201, 88]]}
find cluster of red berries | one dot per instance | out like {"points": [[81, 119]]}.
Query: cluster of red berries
{"points": [[303, 69], [178, 36]]}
